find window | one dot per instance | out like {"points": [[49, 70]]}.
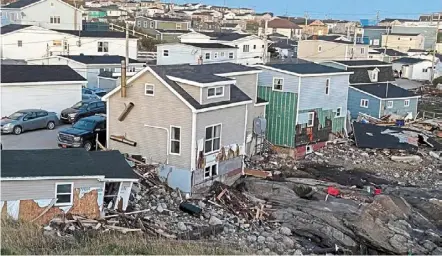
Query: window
{"points": [[262, 46], [215, 92], [56, 42], [19, 43], [398, 38], [63, 193], [374, 75], [254, 47], [178, 26], [207, 56], [390, 104], [222, 54], [65, 45], [210, 171], [411, 39], [42, 114], [362, 50], [166, 53], [327, 86], [338, 112], [425, 70], [103, 47], [145, 23], [149, 89], [319, 48], [111, 192], [246, 48], [230, 55], [364, 103], [406, 103], [55, 19], [311, 119], [175, 138], [212, 139], [131, 69], [152, 24], [278, 83], [215, 55], [139, 23]]}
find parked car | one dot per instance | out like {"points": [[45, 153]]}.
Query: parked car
{"points": [[93, 94], [82, 109], [29, 119], [84, 133]]}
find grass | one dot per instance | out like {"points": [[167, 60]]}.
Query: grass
{"points": [[19, 238]]}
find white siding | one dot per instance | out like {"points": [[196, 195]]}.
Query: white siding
{"points": [[186, 54]]}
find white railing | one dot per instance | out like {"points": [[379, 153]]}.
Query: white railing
{"points": [[116, 27], [146, 56]]}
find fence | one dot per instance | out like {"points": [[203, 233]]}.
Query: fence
{"points": [[131, 31], [430, 115], [146, 56]]}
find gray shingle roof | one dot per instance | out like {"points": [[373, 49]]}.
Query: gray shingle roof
{"points": [[384, 90], [352, 63], [64, 162], [38, 73], [403, 34], [409, 60], [99, 59], [390, 52], [360, 74], [225, 36], [11, 28], [306, 68], [211, 45], [21, 4], [86, 33]]}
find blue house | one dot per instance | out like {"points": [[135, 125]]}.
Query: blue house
{"points": [[372, 90], [307, 103]]}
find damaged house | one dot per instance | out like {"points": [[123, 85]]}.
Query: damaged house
{"points": [[372, 90], [37, 185], [195, 121], [307, 103]]}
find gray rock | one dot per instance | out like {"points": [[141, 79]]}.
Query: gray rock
{"points": [[164, 205], [288, 242], [266, 250], [182, 226], [270, 240], [266, 234], [285, 231], [215, 221], [160, 209], [280, 248], [297, 252], [251, 238], [429, 245], [364, 154], [206, 215], [261, 239], [201, 204]]}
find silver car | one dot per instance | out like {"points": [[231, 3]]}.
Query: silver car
{"points": [[29, 119]]}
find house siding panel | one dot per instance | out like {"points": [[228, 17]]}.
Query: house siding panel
{"points": [[40, 189], [399, 108], [354, 104], [151, 142], [206, 100], [291, 82], [178, 54]]}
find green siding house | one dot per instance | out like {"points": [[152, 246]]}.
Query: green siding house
{"points": [[164, 29]]}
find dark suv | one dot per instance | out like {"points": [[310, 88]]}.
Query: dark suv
{"points": [[82, 109], [84, 133]]}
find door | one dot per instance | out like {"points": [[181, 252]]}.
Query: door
{"points": [[30, 121], [42, 119]]}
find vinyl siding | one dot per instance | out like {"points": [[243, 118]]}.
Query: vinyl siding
{"points": [[428, 32], [178, 54], [171, 25], [291, 82], [193, 90], [354, 104], [308, 49], [247, 84], [39, 189], [206, 100], [107, 84], [40, 13], [170, 38], [162, 110], [399, 108]]}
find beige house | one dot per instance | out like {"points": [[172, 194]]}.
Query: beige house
{"points": [[195, 120], [320, 48], [280, 26], [403, 42]]}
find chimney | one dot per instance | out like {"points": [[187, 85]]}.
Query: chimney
{"points": [[123, 79]]}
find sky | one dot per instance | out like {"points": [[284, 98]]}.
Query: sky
{"points": [[335, 9]]}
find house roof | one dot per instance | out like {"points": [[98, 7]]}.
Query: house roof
{"points": [[65, 162], [409, 60], [393, 19], [384, 90], [171, 31], [332, 38], [277, 35], [11, 28], [166, 19], [284, 44], [86, 33], [211, 45], [21, 3], [354, 63], [229, 25], [403, 34], [203, 74], [361, 74], [416, 50], [390, 52], [224, 36], [307, 68], [375, 27], [38, 73], [282, 23], [99, 59]]}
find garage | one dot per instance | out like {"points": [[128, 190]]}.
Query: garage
{"points": [[52, 88]]}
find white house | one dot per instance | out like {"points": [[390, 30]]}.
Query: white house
{"points": [[195, 53], [32, 42], [91, 66], [52, 14], [52, 88], [229, 15], [152, 11], [414, 68], [250, 47]]}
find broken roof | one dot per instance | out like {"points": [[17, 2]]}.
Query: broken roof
{"points": [[409, 60], [384, 90], [38, 73], [44, 163]]}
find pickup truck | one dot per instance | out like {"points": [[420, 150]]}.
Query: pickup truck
{"points": [[84, 133]]}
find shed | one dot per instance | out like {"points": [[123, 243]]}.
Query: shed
{"points": [[414, 68]]}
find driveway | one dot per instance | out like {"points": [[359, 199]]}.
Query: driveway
{"points": [[408, 84], [38, 139]]}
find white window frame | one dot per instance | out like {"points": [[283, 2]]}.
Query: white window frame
{"points": [[138, 23], [374, 76], [165, 53], [215, 95], [425, 70], [145, 89], [222, 54], [54, 20], [215, 55], [145, 24], [362, 50], [319, 48], [174, 140], [213, 138], [178, 26], [282, 84], [72, 193], [152, 24], [246, 48], [210, 170], [105, 46], [19, 43], [390, 104], [364, 103], [327, 86], [312, 115], [207, 54], [406, 103], [338, 110], [231, 55]]}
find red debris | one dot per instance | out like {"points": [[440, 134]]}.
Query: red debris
{"points": [[333, 191]]}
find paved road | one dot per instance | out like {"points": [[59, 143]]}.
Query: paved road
{"points": [[38, 139]]}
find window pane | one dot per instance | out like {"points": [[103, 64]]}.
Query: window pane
{"points": [[208, 133], [219, 90], [217, 130], [63, 199], [208, 146], [207, 172], [65, 188], [175, 147], [214, 170], [211, 92], [216, 144], [175, 133]]}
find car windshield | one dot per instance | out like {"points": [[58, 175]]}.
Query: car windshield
{"points": [[16, 115], [80, 104], [84, 125], [101, 94]]}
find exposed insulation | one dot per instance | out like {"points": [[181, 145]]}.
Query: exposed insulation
{"points": [[87, 205], [29, 210], [4, 209], [13, 209]]}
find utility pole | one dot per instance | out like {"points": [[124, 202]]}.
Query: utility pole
{"points": [[123, 79], [127, 45], [306, 23], [386, 40], [434, 48], [264, 58], [377, 17], [354, 44]]}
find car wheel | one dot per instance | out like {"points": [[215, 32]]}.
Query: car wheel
{"points": [[51, 125], [17, 130], [88, 146]]}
